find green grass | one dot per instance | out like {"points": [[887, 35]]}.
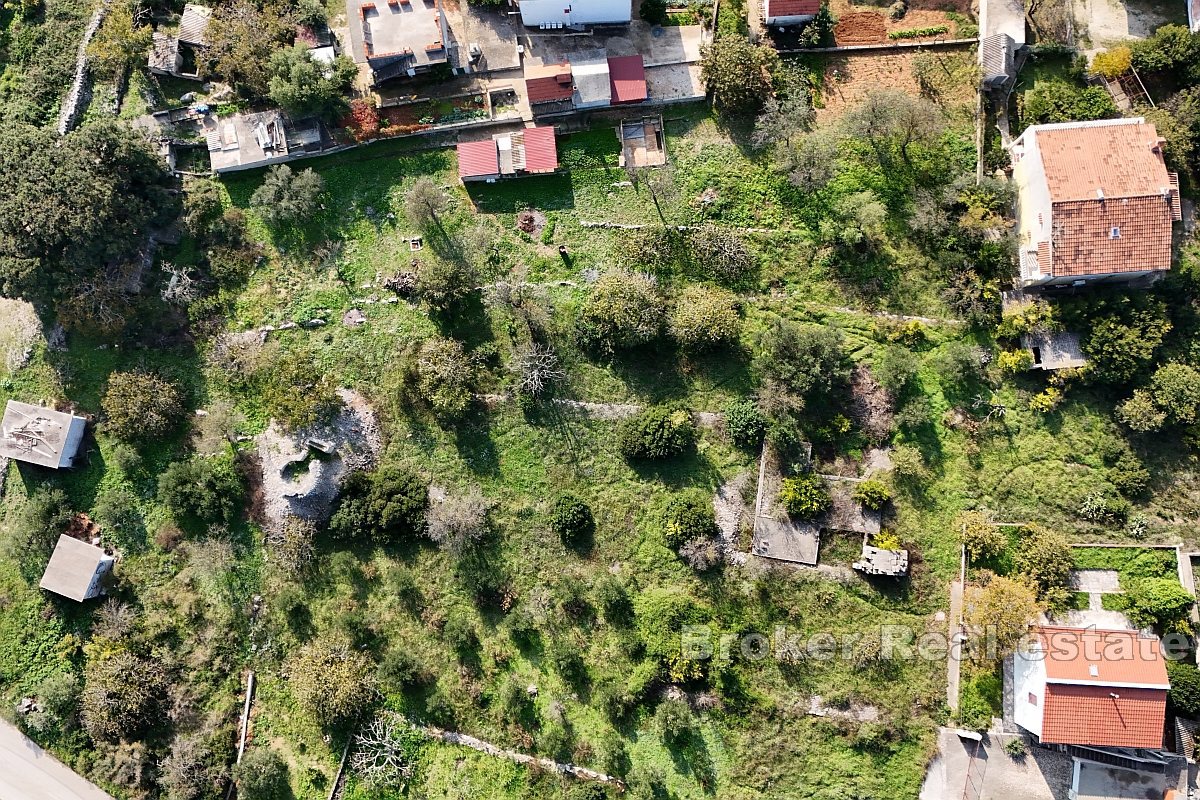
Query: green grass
{"points": [[1129, 562]]}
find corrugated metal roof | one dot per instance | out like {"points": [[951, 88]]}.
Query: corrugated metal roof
{"points": [[541, 153], [193, 26], [478, 159], [550, 89], [627, 79]]}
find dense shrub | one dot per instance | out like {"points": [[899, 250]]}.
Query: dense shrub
{"points": [[1170, 49], [34, 527], [1044, 557], [655, 433], [703, 318], [872, 494], [745, 423], [1185, 688], [687, 517], [1060, 101], [332, 680], [571, 519], [381, 506], [622, 311], [123, 695], [444, 376], [139, 406], [1161, 602], [805, 496], [287, 197], [983, 540], [296, 392], [262, 775], [1172, 397], [737, 73], [203, 489], [1112, 63], [1123, 341]]}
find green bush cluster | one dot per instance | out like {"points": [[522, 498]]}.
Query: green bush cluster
{"points": [[657, 432], [872, 494], [688, 517], [918, 33], [204, 490], [380, 506], [1159, 602], [805, 496], [745, 423], [571, 519]]}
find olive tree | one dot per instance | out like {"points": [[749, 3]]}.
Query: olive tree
{"points": [[140, 406], [332, 680], [624, 310], [286, 197]]}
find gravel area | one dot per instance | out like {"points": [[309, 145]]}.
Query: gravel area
{"points": [[729, 504], [301, 480]]}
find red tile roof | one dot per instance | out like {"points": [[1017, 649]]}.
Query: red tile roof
{"points": [[549, 84], [541, 154], [627, 79], [1091, 715], [1121, 158], [478, 159], [791, 8]]}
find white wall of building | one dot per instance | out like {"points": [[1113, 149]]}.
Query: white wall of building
{"points": [[1033, 203], [1029, 690], [535, 13]]}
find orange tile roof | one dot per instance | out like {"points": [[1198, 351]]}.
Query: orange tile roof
{"points": [[1123, 159], [1082, 235], [1102, 657], [548, 83], [792, 8], [1091, 715]]}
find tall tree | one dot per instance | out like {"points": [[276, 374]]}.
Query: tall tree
{"points": [[306, 87], [241, 38], [738, 73]]}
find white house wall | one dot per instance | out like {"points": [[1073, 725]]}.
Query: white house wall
{"points": [[1033, 202], [1029, 679], [535, 13]]}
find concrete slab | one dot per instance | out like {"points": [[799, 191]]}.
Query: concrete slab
{"points": [[27, 772], [675, 83], [497, 35], [671, 45], [1095, 580], [1041, 775], [1101, 619]]}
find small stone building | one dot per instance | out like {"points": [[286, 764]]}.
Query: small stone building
{"points": [[39, 435], [77, 569]]}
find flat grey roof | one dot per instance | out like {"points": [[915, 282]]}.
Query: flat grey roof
{"points": [[39, 435], [72, 567]]}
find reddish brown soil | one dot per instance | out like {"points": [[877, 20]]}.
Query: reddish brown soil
{"points": [[860, 27]]}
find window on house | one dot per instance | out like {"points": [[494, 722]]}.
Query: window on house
{"points": [[1032, 699], [1115, 233]]}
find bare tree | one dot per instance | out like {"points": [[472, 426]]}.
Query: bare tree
{"points": [[722, 252], [425, 203], [659, 183], [537, 368], [113, 620], [381, 750], [458, 522], [181, 288]]}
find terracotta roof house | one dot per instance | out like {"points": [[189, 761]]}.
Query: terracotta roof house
{"points": [[549, 83], [782, 13], [626, 79], [531, 151], [77, 569], [1091, 688], [1095, 202], [39, 435]]}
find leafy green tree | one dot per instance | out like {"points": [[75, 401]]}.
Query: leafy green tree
{"points": [[657, 432], [305, 87], [738, 73], [287, 197], [242, 36], [74, 212], [1044, 557], [780, 121], [1059, 101], [688, 516], [139, 406], [1170, 49], [381, 506], [808, 360], [1122, 342], [899, 131], [896, 368], [703, 318], [805, 496], [424, 204], [262, 774], [1003, 609], [331, 679], [120, 42], [1176, 390], [623, 310], [123, 695], [205, 490], [1141, 412]]}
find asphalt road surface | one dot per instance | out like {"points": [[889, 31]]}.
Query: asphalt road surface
{"points": [[27, 772]]}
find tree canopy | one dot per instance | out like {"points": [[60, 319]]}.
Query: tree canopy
{"points": [[306, 87]]}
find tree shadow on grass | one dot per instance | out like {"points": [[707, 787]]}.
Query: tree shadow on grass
{"points": [[547, 192], [466, 321], [690, 469], [473, 441]]}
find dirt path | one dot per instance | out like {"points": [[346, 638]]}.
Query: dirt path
{"points": [[583, 773], [608, 411]]}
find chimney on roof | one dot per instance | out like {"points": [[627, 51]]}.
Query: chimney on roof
{"points": [[1093, 670], [1100, 195]]}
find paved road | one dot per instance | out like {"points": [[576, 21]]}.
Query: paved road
{"points": [[27, 772]]}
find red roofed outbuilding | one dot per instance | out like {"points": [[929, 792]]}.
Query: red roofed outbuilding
{"points": [[1093, 688], [782, 13], [530, 151], [627, 79], [549, 83]]}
